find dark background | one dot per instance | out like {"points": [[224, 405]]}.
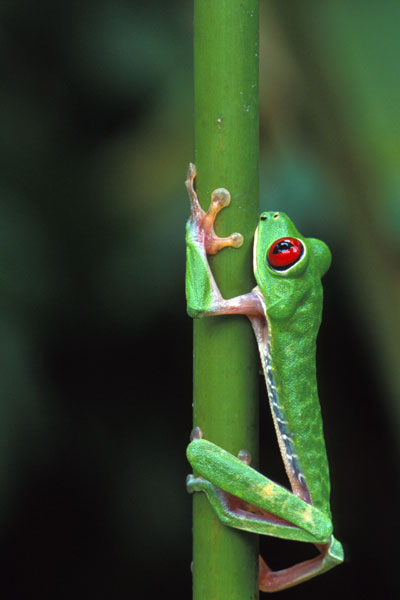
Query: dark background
{"points": [[95, 346]]}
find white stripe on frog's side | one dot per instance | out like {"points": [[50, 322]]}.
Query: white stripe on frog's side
{"points": [[285, 439]]}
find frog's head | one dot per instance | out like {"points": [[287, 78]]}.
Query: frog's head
{"points": [[281, 252]]}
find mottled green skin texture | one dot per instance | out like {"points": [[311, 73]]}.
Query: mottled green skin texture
{"points": [[293, 301], [230, 474]]}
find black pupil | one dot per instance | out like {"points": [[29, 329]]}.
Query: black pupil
{"points": [[282, 247]]}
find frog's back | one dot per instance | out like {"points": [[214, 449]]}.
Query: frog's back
{"points": [[288, 268], [292, 357]]}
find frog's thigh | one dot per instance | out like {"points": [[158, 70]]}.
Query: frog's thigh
{"points": [[286, 513]]}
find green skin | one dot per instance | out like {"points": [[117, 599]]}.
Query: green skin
{"points": [[285, 312]]}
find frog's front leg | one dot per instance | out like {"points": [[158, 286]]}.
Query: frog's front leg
{"points": [[245, 499], [202, 293]]}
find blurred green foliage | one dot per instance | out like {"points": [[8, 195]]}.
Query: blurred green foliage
{"points": [[95, 353]]}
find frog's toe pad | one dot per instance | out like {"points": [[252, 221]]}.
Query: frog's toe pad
{"points": [[220, 198], [196, 434], [244, 456]]}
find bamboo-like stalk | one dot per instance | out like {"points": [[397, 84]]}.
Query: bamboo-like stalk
{"points": [[225, 361]]}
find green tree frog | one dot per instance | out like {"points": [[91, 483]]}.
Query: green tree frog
{"points": [[284, 309]]}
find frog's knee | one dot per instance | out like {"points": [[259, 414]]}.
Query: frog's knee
{"points": [[335, 552]]}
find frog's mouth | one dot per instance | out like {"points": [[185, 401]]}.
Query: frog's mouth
{"points": [[285, 439]]}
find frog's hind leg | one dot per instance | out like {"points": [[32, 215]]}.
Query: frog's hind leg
{"points": [[245, 499], [331, 554]]}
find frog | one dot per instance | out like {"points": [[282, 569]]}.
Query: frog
{"points": [[284, 309]]}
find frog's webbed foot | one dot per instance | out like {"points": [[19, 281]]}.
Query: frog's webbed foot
{"points": [[203, 222]]}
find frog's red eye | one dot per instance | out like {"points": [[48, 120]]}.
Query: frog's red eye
{"points": [[284, 253]]}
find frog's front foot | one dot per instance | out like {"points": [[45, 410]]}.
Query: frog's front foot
{"points": [[203, 222]]}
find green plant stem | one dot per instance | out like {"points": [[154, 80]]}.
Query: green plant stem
{"points": [[225, 360]]}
